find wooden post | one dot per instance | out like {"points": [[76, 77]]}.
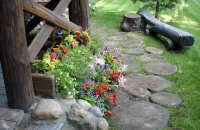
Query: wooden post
{"points": [[14, 55], [79, 13]]}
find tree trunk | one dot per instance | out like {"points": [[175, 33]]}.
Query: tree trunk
{"points": [[178, 37], [79, 13], [157, 8], [14, 55], [131, 22]]}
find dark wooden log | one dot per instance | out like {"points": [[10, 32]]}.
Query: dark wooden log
{"points": [[36, 20], [79, 13], [178, 37], [45, 32], [14, 55], [130, 22], [50, 16], [44, 85]]}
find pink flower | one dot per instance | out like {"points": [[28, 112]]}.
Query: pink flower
{"points": [[53, 56], [73, 43], [104, 78]]}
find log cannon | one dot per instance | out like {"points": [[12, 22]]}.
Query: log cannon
{"points": [[179, 38]]}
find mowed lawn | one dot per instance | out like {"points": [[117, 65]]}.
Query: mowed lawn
{"points": [[186, 82]]}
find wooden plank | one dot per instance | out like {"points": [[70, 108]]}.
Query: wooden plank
{"points": [[36, 20], [14, 55], [50, 16], [44, 85], [44, 33]]}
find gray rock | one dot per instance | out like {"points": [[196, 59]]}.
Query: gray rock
{"points": [[102, 124], [7, 125], [133, 67], [84, 104], [47, 109], [154, 50], [96, 111], [68, 104], [44, 126], [133, 44], [160, 68], [117, 38], [77, 113], [135, 51], [152, 58], [111, 43], [139, 116], [151, 82], [88, 122], [166, 99]]}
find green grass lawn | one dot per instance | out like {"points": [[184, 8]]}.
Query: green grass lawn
{"points": [[186, 82]]}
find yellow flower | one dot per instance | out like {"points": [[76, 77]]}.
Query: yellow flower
{"points": [[46, 58], [69, 38]]}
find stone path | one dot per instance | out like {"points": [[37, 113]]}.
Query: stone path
{"points": [[142, 102]]}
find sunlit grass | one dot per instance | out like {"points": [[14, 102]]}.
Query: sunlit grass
{"points": [[186, 82]]}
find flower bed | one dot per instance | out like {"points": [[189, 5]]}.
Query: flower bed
{"points": [[80, 74]]}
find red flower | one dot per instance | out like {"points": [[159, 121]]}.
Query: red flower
{"points": [[115, 98], [84, 87], [109, 113]]}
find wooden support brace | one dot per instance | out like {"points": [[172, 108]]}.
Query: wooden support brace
{"points": [[45, 32], [36, 20], [50, 16]]}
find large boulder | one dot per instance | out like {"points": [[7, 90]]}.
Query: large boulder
{"points": [[47, 109]]}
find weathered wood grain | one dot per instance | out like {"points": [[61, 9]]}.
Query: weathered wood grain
{"points": [[45, 32], [14, 55], [79, 13], [44, 85], [50, 16]]}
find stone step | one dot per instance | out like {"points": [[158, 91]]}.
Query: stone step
{"points": [[44, 126], [10, 118]]}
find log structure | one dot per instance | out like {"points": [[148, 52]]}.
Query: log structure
{"points": [[130, 22], [45, 32], [14, 55], [178, 37], [44, 85], [79, 13]]}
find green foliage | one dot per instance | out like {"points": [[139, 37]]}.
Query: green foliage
{"points": [[92, 5], [160, 5]]}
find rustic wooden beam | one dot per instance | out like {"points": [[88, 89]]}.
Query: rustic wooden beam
{"points": [[50, 16], [36, 20], [14, 55], [45, 32], [44, 85], [79, 13]]}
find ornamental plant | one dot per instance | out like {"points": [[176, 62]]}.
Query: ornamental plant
{"points": [[82, 75]]}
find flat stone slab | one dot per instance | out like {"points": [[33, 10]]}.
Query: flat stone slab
{"points": [[3, 101], [139, 116], [151, 82], [7, 125], [154, 50], [14, 115], [160, 68], [44, 126], [135, 51], [117, 38], [126, 58], [133, 67], [152, 58], [122, 96], [166, 99], [133, 44], [135, 89], [111, 43]]}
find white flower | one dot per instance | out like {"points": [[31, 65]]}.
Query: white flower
{"points": [[99, 61], [124, 67], [122, 81], [69, 93]]}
